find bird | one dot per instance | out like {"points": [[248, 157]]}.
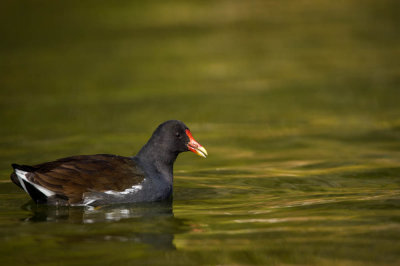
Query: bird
{"points": [[102, 179]]}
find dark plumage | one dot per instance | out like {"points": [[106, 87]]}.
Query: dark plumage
{"points": [[103, 178]]}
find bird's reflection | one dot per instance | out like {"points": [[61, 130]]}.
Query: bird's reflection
{"points": [[147, 223], [89, 214]]}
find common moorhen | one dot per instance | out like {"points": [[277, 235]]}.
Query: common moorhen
{"points": [[104, 179]]}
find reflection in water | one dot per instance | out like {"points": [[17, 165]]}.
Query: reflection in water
{"points": [[154, 215], [89, 214]]}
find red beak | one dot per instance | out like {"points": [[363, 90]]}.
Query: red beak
{"points": [[194, 146]]}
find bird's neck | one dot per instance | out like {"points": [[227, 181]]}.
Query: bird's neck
{"points": [[158, 161]]}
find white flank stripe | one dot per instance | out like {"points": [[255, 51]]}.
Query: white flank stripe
{"points": [[125, 192], [87, 201], [22, 175]]}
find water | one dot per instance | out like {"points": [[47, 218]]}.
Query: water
{"points": [[296, 102]]}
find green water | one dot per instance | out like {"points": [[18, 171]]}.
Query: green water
{"points": [[297, 103]]}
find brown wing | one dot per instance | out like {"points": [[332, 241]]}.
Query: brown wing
{"points": [[71, 177]]}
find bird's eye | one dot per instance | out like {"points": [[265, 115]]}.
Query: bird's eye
{"points": [[178, 135]]}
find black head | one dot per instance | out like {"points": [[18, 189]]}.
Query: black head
{"points": [[174, 137], [171, 135]]}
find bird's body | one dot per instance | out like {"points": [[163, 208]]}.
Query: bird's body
{"points": [[104, 179]]}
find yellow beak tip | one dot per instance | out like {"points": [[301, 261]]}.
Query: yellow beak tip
{"points": [[201, 151]]}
